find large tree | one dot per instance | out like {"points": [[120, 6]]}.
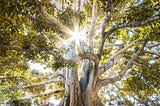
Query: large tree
{"points": [[88, 44]]}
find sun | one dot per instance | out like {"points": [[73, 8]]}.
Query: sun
{"points": [[77, 35]]}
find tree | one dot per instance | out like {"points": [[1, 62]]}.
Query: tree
{"points": [[88, 44]]}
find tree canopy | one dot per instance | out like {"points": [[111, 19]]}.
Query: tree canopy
{"points": [[120, 38]]}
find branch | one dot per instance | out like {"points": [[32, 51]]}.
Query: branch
{"points": [[33, 49], [60, 79], [86, 55], [21, 49], [41, 94], [54, 75], [120, 89], [41, 22], [92, 26], [110, 4], [132, 24], [57, 5], [152, 45], [154, 53], [104, 67], [90, 56], [141, 65], [53, 79], [16, 77], [103, 82], [114, 44], [152, 58], [125, 48], [88, 1], [78, 4], [51, 19], [133, 58], [105, 22]]}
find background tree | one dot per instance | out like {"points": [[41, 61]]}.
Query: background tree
{"points": [[88, 45]]}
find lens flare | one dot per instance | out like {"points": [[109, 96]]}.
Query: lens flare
{"points": [[77, 35]]}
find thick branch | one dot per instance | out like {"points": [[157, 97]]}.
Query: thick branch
{"points": [[51, 19], [132, 24], [41, 22], [86, 55], [94, 16], [90, 56], [110, 4], [107, 81], [105, 22], [92, 26]]}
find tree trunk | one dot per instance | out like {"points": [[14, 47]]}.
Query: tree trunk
{"points": [[76, 93], [80, 92], [84, 99], [78, 97]]}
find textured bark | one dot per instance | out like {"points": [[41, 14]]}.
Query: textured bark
{"points": [[76, 93], [90, 98], [86, 98]]}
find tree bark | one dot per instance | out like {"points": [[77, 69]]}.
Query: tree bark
{"points": [[76, 93], [84, 98]]}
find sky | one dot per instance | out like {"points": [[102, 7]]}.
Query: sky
{"points": [[39, 67]]}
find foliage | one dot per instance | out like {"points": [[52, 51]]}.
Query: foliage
{"points": [[25, 35]]}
